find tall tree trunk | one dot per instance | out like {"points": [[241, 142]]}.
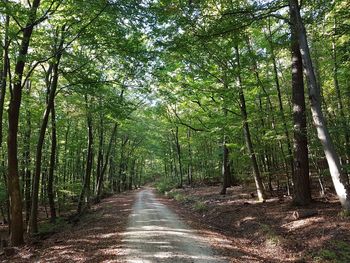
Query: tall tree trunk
{"points": [[33, 224], [178, 151], [301, 180], [50, 190], [225, 167], [190, 161], [3, 74], [339, 178], [16, 227], [247, 135], [289, 158], [3, 83], [104, 167], [100, 154], [265, 156], [27, 159], [84, 199], [226, 173], [66, 163], [122, 165]]}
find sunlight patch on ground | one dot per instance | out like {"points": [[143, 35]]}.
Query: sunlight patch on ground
{"points": [[109, 235], [156, 234], [297, 224]]}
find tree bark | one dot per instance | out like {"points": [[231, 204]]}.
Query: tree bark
{"points": [[3, 74], [84, 198], [178, 151], [33, 224], [104, 167], [281, 108], [190, 161], [50, 182], [301, 180], [16, 227], [226, 173], [100, 153], [27, 159], [339, 179], [247, 135]]}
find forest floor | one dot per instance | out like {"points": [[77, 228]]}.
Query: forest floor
{"points": [[96, 237], [129, 227], [234, 226], [274, 231]]}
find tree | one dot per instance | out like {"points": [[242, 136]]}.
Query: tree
{"points": [[16, 227], [340, 180], [302, 190]]}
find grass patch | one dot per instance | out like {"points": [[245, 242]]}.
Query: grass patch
{"points": [[200, 206], [47, 228], [344, 214], [171, 194], [336, 252], [165, 185], [179, 197], [272, 238]]}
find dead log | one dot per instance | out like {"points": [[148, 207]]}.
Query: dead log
{"points": [[301, 214]]}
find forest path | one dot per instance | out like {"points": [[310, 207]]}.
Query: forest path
{"points": [[156, 234]]}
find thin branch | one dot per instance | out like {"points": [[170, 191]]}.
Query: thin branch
{"points": [[67, 45], [185, 124]]}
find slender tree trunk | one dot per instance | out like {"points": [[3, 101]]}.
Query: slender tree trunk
{"points": [[33, 225], [104, 167], [65, 162], [247, 135], [339, 179], [84, 199], [50, 190], [122, 164], [178, 151], [52, 87], [265, 156], [27, 159], [3, 83], [3, 74], [302, 190], [289, 158], [225, 167], [100, 154], [16, 227], [189, 168]]}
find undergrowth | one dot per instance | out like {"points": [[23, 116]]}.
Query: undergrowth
{"points": [[336, 252]]}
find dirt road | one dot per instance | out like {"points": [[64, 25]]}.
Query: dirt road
{"points": [[156, 234]]}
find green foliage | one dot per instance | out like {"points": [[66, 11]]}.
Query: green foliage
{"points": [[165, 185], [336, 252], [200, 206], [70, 189], [48, 228], [180, 197], [272, 238], [344, 214], [3, 192]]}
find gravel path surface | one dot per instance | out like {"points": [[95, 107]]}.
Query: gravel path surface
{"points": [[156, 234]]}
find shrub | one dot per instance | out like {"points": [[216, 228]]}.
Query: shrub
{"points": [[200, 206], [165, 185]]}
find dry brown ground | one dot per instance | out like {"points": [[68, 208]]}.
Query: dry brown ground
{"points": [[95, 238], [249, 231], [238, 227]]}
